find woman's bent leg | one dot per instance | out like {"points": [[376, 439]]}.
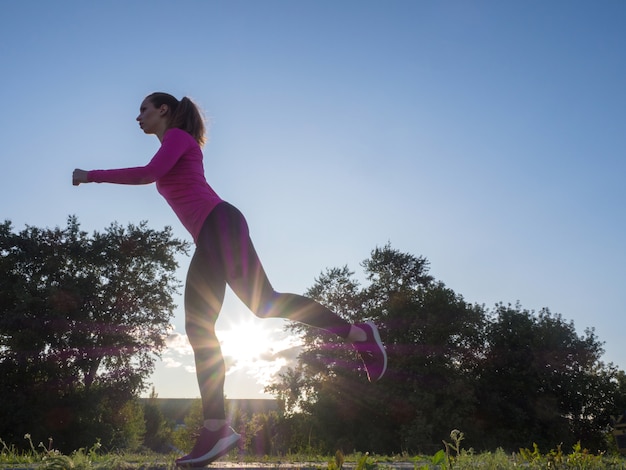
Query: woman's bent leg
{"points": [[254, 288], [247, 278]]}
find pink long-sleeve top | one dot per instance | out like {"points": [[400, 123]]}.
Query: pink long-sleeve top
{"points": [[178, 172]]}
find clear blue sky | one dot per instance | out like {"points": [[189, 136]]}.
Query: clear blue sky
{"points": [[487, 136]]}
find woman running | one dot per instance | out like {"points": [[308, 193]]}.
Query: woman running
{"points": [[224, 255]]}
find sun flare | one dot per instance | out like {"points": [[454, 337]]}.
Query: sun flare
{"points": [[246, 342]]}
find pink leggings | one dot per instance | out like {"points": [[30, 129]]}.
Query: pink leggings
{"points": [[225, 256]]}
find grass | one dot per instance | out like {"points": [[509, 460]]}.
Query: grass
{"points": [[44, 457], [451, 457]]}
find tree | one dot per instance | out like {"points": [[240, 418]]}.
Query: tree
{"points": [[540, 382], [432, 337], [82, 320]]}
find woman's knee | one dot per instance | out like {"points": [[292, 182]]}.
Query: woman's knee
{"points": [[268, 305], [201, 334]]}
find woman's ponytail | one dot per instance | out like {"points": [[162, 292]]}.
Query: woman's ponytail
{"points": [[188, 118]]}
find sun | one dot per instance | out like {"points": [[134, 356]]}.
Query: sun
{"points": [[259, 347], [246, 341]]}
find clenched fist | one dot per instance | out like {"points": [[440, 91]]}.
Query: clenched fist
{"points": [[79, 176]]}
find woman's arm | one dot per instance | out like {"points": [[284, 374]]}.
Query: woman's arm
{"points": [[174, 145]]}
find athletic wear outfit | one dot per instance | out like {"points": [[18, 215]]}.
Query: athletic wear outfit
{"points": [[224, 256]]}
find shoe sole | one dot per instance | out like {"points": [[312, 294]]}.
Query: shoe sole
{"points": [[379, 343], [223, 446]]}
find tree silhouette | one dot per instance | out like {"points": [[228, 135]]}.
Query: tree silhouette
{"points": [[82, 320]]}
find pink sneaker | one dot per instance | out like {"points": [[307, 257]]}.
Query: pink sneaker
{"points": [[210, 446], [372, 352]]}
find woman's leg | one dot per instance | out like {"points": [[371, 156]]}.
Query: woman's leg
{"points": [[204, 295], [246, 276]]}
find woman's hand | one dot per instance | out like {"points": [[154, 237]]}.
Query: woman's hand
{"points": [[79, 176]]}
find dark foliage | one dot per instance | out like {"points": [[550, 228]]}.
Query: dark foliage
{"points": [[81, 319], [507, 378]]}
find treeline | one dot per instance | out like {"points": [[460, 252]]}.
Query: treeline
{"points": [[83, 318], [505, 376]]}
